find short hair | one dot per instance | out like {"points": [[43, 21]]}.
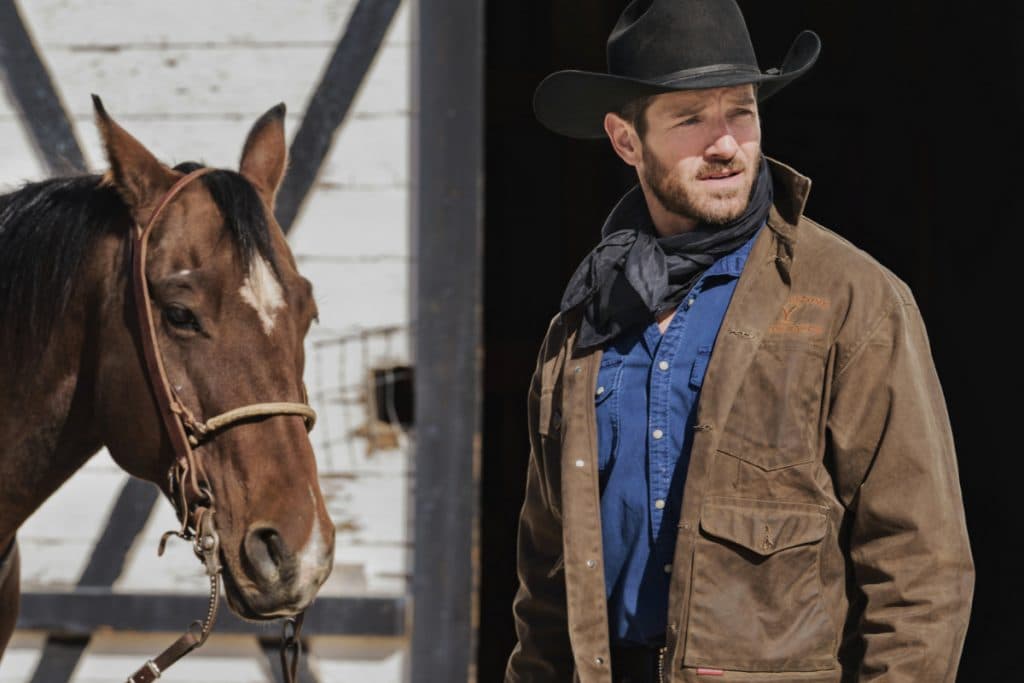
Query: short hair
{"points": [[635, 111]]}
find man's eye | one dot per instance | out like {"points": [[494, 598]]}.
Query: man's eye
{"points": [[182, 318], [690, 121]]}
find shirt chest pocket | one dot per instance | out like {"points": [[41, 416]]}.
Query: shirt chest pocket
{"points": [[608, 413]]}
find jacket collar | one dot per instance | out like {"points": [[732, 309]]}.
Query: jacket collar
{"points": [[791, 190]]}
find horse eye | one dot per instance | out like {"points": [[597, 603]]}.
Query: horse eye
{"points": [[182, 318]]}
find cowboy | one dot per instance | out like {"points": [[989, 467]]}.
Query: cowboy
{"points": [[741, 463]]}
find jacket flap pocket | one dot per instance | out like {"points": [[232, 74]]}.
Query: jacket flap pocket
{"points": [[764, 526]]}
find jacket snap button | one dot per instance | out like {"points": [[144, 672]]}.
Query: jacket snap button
{"points": [[599, 660], [591, 563]]}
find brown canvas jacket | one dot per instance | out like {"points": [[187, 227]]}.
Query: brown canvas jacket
{"points": [[822, 533]]}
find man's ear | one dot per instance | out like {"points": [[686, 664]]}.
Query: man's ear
{"points": [[624, 139], [265, 155], [140, 179]]}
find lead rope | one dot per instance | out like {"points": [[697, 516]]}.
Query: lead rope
{"points": [[291, 647], [206, 545]]}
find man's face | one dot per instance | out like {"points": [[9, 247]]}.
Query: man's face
{"points": [[701, 152]]}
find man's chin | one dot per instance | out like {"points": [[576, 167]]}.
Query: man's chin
{"points": [[718, 214]]}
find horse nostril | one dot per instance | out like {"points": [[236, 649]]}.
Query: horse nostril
{"points": [[267, 553]]}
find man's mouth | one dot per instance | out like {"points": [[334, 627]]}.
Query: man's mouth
{"points": [[721, 175]]}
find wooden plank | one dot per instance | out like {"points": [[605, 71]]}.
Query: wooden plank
{"points": [[116, 24], [354, 295], [447, 248], [331, 102], [33, 93], [234, 83], [353, 225], [18, 161]]}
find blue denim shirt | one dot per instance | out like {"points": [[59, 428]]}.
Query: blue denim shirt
{"points": [[646, 403]]}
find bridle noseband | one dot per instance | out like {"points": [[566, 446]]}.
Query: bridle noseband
{"points": [[190, 493]]}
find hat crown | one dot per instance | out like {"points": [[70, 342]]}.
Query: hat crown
{"points": [[659, 37]]}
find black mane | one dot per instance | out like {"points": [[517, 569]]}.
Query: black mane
{"points": [[48, 228]]}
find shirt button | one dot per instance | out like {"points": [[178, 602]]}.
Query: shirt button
{"points": [[600, 390], [591, 563], [690, 301], [657, 433], [579, 463], [668, 569], [663, 365], [660, 504]]}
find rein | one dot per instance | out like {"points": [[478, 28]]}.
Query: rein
{"points": [[190, 493]]}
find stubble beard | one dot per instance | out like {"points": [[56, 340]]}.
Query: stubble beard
{"points": [[687, 199]]}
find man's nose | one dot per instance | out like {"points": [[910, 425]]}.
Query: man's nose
{"points": [[724, 146]]}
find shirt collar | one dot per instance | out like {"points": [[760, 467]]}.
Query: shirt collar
{"points": [[732, 264]]}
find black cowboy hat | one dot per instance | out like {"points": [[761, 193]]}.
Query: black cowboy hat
{"points": [[660, 46]]}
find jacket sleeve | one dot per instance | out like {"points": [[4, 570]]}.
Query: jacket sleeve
{"points": [[543, 652], [896, 470]]}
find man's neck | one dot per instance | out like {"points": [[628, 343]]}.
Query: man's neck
{"points": [[666, 223]]}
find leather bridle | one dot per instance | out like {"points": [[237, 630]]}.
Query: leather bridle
{"points": [[190, 493]]}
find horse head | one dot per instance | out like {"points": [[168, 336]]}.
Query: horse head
{"points": [[230, 312]]}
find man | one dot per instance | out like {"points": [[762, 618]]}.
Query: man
{"points": [[741, 465]]}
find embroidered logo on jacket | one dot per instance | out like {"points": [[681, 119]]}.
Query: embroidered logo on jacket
{"points": [[791, 323]]}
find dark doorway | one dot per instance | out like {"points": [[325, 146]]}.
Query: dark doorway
{"points": [[910, 127]]}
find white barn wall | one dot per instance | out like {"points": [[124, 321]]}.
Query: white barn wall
{"points": [[188, 79]]}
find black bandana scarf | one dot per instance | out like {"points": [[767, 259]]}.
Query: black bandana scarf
{"points": [[633, 274]]}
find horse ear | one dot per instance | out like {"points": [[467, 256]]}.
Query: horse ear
{"points": [[265, 155], [136, 173]]}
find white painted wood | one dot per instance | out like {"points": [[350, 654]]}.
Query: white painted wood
{"points": [[227, 82], [354, 295], [223, 659], [346, 225], [21, 657], [362, 660], [18, 162], [60, 23]]}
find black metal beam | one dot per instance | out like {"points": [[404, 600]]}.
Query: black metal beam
{"points": [[59, 658], [84, 610], [448, 256], [331, 101], [33, 92], [126, 520]]}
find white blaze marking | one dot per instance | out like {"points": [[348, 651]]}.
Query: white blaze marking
{"points": [[311, 558], [262, 291]]}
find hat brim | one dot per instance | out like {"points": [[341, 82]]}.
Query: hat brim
{"points": [[574, 103]]}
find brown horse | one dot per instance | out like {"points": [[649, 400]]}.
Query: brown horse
{"points": [[231, 312]]}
